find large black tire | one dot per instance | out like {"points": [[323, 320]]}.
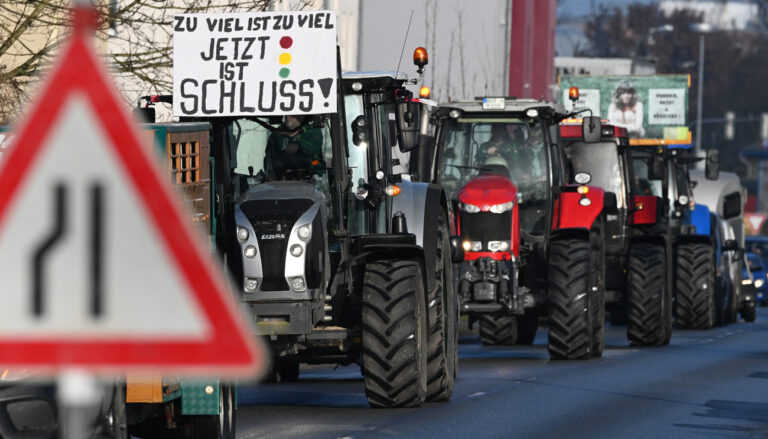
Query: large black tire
{"points": [[287, 369], [526, 328], [443, 321], [749, 312], [221, 426], [498, 330], [570, 322], [695, 286], [720, 306], [597, 293], [394, 334], [648, 314], [732, 312]]}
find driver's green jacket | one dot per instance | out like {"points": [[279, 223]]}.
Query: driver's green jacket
{"points": [[310, 142]]}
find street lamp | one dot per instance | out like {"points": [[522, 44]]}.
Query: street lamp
{"points": [[702, 29]]}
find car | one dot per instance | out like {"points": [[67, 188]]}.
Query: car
{"points": [[759, 246], [756, 267]]}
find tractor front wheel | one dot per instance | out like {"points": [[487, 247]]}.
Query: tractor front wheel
{"points": [[570, 322], [394, 334]]}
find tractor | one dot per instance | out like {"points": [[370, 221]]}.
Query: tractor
{"points": [[348, 260], [637, 293], [531, 243]]}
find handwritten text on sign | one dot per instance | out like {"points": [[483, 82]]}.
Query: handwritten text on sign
{"points": [[254, 63]]}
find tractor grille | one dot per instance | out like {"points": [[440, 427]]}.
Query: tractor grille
{"points": [[272, 221], [486, 226]]}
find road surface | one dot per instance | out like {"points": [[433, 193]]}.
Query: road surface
{"points": [[704, 384]]}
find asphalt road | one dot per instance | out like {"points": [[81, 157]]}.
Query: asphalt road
{"points": [[705, 384]]}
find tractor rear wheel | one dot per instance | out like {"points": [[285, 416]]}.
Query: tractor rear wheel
{"points": [[221, 426], [597, 293], [394, 334], [498, 330], [749, 312], [570, 319], [648, 314], [695, 286], [443, 323]]}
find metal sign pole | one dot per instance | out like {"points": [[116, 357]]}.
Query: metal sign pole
{"points": [[77, 391], [78, 394]]}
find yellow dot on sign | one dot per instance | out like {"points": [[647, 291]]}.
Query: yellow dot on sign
{"points": [[285, 58]]}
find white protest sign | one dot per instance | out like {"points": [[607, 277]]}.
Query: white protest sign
{"points": [[588, 98], [666, 106], [247, 64]]}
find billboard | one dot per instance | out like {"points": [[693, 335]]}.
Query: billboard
{"points": [[653, 108]]}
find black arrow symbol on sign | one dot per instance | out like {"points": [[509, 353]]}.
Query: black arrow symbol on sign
{"points": [[59, 229], [57, 234]]}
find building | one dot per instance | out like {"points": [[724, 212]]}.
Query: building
{"points": [[573, 65]]}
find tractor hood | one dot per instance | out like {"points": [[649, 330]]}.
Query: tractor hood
{"points": [[486, 190], [282, 190]]}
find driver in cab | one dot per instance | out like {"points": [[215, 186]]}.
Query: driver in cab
{"points": [[294, 146]]}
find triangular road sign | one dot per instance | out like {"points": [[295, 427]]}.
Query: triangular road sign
{"points": [[756, 221], [99, 266]]}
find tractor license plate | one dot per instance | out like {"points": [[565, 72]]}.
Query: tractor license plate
{"points": [[493, 103]]}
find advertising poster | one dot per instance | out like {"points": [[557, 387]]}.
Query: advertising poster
{"points": [[651, 107]]}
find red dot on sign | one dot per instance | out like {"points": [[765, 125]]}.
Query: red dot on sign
{"points": [[286, 42]]}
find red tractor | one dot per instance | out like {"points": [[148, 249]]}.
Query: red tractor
{"points": [[529, 244], [637, 289]]}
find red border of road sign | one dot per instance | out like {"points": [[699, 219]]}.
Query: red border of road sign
{"points": [[229, 348]]}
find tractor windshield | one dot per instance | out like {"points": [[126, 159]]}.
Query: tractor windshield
{"points": [[602, 162], [472, 146], [295, 149]]}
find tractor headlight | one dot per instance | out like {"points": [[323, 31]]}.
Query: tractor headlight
{"points": [[503, 207], [469, 208], [498, 246], [304, 232], [250, 251], [585, 202], [296, 250], [242, 234], [759, 283]]}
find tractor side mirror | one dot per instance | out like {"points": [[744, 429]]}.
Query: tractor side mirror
{"points": [[610, 206], [457, 252], [730, 245], [712, 168], [591, 127], [144, 114], [360, 130], [409, 116]]}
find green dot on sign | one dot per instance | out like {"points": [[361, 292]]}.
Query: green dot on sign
{"points": [[284, 72]]}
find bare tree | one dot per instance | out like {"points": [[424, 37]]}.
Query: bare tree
{"points": [[460, 17], [430, 27], [135, 37]]}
